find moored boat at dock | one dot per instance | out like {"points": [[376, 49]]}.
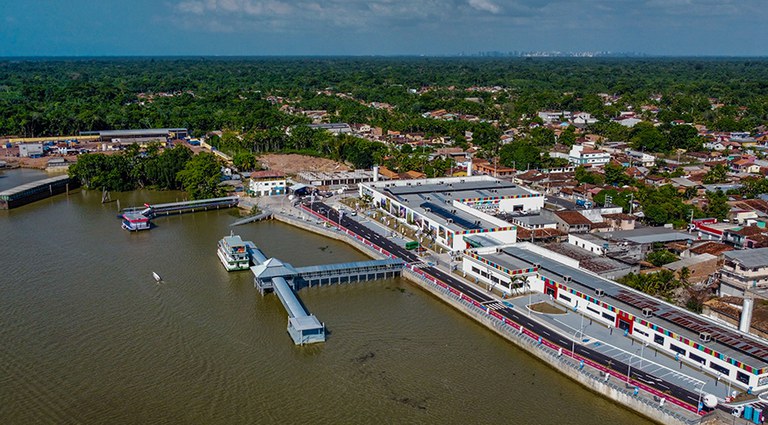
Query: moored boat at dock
{"points": [[233, 253]]}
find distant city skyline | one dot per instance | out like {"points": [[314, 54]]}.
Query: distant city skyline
{"points": [[381, 27]]}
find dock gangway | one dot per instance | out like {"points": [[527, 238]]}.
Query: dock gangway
{"points": [[171, 208], [271, 274]]}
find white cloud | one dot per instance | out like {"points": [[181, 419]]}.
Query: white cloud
{"points": [[485, 6]]}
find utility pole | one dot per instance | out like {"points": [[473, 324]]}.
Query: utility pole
{"points": [[631, 202]]}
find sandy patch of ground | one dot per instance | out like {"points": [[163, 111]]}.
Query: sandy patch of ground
{"points": [[294, 163]]}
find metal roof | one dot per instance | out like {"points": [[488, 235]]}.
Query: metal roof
{"points": [[138, 132], [728, 341], [647, 235], [750, 258], [351, 265], [288, 298], [447, 215], [33, 185], [233, 241], [305, 323], [466, 189], [272, 269]]}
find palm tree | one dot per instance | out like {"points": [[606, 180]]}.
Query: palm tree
{"points": [[517, 282]]}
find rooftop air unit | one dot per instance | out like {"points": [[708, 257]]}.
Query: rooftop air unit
{"points": [[705, 336], [599, 292], [566, 279], [647, 312]]}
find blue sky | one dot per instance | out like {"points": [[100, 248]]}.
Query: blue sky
{"points": [[380, 27]]}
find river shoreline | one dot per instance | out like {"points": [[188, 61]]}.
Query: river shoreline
{"points": [[563, 365]]}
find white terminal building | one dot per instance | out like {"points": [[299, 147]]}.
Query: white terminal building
{"points": [[717, 349], [456, 211]]}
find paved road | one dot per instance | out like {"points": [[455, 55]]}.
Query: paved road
{"points": [[688, 397]]}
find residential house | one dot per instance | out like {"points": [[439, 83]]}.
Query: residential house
{"points": [[388, 174], [642, 158], [745, 165], [746, 237], [267, 183], [744, 270], [581, 155], [572, 222], [620, 221], [629, 122], [482, 166]]}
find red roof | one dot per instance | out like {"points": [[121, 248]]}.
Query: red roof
{"points": [[572, 217], [265, 174]]}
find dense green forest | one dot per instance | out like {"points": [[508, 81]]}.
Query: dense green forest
{"points": [[54, 97]]}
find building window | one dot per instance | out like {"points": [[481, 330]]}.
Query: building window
{"points": [[475, 270], [719, 368], [677, 349], [742, 377], [609, 317], [697, 359], [567, 299], [593, 310], [658, 339]]}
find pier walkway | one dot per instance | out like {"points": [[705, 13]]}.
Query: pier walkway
{"points": [[154, 210], [34, 191], [138, 218], [282, 278]]}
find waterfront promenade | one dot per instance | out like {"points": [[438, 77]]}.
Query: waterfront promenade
{"points": [[670, 400]]}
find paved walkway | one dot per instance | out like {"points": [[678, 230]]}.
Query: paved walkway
{"points": [[598, 337], [626, 349]]}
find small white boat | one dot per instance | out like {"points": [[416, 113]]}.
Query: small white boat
{"points": [[157, 277]]}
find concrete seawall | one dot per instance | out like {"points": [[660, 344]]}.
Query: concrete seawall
{"points": [[611, 389]]}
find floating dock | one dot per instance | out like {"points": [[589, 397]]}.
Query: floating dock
{"points": [[34, 191], [132, 217], [284, 279]]}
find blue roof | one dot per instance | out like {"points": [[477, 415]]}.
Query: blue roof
{"points": [[351, 265]]}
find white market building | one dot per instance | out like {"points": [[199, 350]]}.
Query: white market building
{"points": [[456, 211], [718, 350]]}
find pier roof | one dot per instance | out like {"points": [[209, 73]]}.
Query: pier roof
{"points": [[273, 268], [32, 185], [351, 265]]}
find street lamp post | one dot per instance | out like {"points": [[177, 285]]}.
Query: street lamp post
{"points": [[579, 332], [530, 297], [573, 344]]}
